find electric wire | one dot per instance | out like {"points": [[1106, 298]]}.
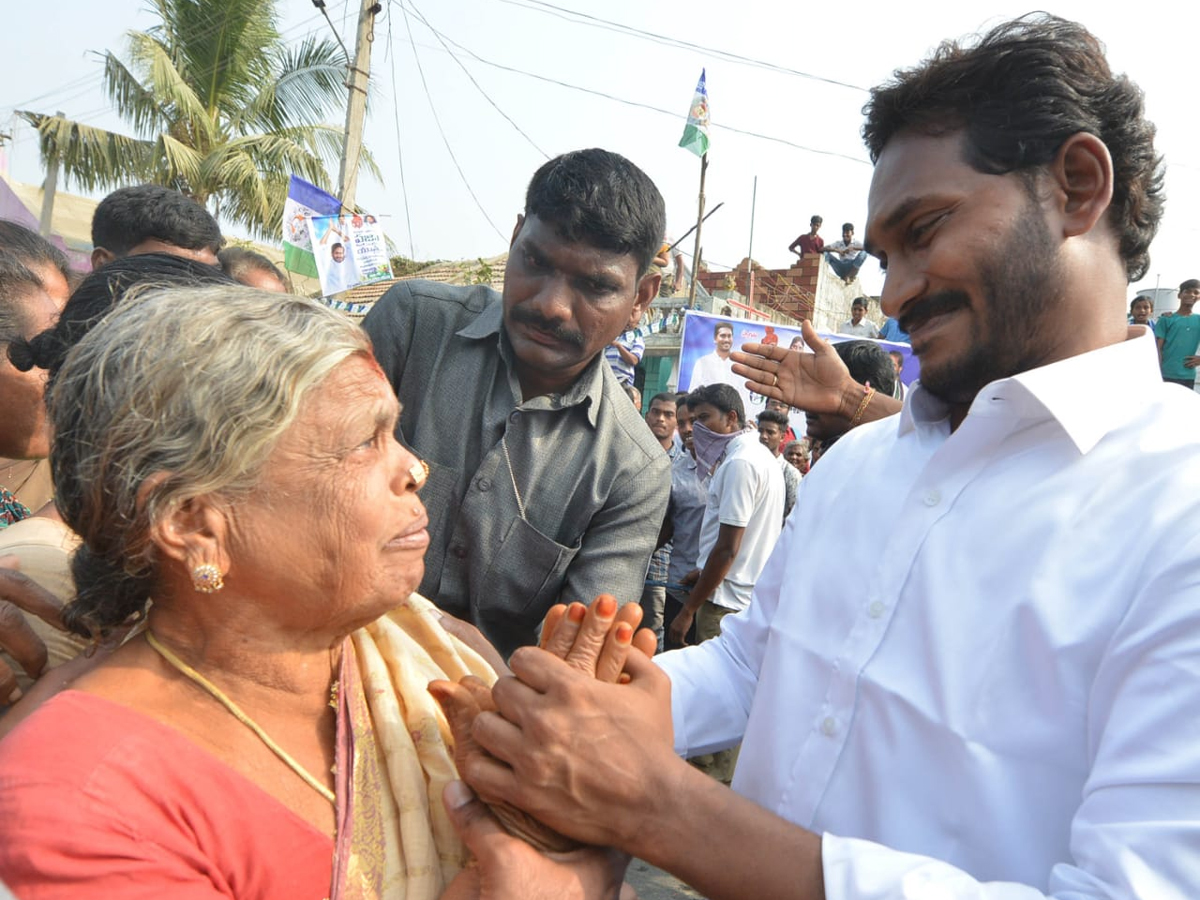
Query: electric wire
{"points": [[467, 72], [647, 106], [608, 25], [391, 51], [438, 122]]}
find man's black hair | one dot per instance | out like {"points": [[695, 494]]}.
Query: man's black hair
{"points": [[859, 301], [1018, 94], [720, 325], [722, 396], [237, 261], [602, 199], [816, 220], [31, 248], [128, 216], [868, 364], [681, 399], [1190, 284], [664, 396], [847, 226], [774, 415]]}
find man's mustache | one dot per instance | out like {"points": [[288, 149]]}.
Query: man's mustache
{"points": [[555, 330], [933, 305]]}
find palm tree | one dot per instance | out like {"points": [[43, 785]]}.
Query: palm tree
{"points": [[220, 107]]}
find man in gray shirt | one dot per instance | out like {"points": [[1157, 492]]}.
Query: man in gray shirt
{"points": [[554, 490]]}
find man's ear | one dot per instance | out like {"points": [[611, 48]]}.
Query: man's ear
{"points": [[101, 257], [1082, 171], [516, 229], [647, 290]]}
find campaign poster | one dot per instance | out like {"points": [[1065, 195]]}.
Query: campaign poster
{"points": [[349, 250], [708, 340]]}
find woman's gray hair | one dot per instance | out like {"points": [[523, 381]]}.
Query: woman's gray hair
{"points": [[178, 393]]}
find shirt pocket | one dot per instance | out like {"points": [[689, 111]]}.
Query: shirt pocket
{"points": [[526, 573]]}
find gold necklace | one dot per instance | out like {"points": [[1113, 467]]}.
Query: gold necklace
{"points": [[216, 693]]}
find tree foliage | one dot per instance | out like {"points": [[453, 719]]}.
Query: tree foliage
{"points": [[220, 108]]}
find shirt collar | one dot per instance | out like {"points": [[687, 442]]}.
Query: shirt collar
{"points": [[586, 390], [1088, 395]]}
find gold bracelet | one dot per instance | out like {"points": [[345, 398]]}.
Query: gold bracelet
{"points": [[868, 393]]}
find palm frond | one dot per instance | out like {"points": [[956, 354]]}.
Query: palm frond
{"points": [[92, 158], [183, 111], [134, 101], [181, 165], [308, 84]]}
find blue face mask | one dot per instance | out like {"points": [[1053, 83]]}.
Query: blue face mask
{"points": [[709, 445]]}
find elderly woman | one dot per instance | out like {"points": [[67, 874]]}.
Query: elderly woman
{"points": [[227, 458]]}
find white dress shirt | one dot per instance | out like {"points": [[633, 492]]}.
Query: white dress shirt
{"points": [[1000, 697]]}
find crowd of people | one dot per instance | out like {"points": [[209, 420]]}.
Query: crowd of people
{"points": [[294, 607]]}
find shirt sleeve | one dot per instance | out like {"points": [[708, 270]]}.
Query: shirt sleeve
{"points": [[1161, 327], [636, 346], [1136, 832], [739, 486], [713, 684]]}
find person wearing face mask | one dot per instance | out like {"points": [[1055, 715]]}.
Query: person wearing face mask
{"points": [[742, 520]]}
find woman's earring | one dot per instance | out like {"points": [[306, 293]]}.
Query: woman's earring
{"points": [[207, 578]]}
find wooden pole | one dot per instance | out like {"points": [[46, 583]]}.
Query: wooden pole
{"points": [[356, 108], [699, 224], [49, 188]]}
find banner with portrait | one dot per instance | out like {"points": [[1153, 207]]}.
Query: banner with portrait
{"points": [[707, 340], [349, 250]]}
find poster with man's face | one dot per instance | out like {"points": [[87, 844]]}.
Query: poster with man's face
{"points": [[349, 250]]}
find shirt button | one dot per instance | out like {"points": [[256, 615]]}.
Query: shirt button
{"points": [[483, 484], [458, 551], [514, 416], [829, 726], [875, 610], [933, 498]]}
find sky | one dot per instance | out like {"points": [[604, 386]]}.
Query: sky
{"points": [[457, 138]]}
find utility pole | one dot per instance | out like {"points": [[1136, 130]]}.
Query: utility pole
{"points": [[356, 109]]}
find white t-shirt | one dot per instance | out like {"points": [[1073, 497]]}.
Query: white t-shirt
{"points": [[746, 490]]}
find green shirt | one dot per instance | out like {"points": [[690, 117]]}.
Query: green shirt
{"points": [[1181, 337]]}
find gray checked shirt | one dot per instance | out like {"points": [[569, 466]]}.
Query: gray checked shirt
{"points": [[593, 478]]}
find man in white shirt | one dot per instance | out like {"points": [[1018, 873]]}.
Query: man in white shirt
{"points": [[1001, 701], [859, 325], [715, 367], [742, 517]]}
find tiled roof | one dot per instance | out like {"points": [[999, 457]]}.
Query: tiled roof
{"points": [[466, 271]]}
